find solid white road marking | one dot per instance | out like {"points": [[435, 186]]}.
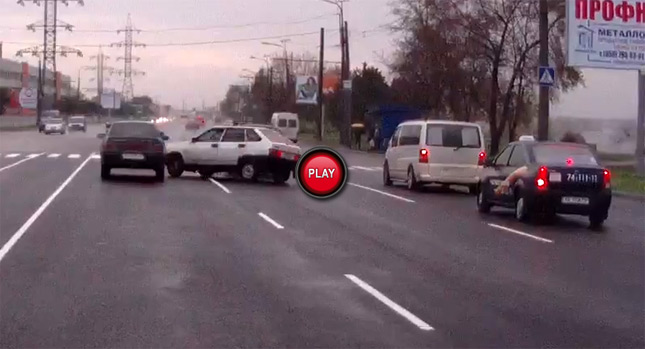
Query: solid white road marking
{"points": [[54, 155], [268, 219], [75, 156], [225, 189], [510, 230], [95, 156], [381, 192], [390, 303], [18, 234], [31, 156], [365, 168], [14, 155]]}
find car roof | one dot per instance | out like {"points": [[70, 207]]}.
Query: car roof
{"points": [[534, 143], [439, 122], [132, 122]]}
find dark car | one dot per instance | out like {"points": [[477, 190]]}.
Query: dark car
{"points": [[542, 179], [135, 145]]}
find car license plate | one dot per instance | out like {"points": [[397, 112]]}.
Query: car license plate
{"points": [[132, 156], [575, 200], [555, 177]]}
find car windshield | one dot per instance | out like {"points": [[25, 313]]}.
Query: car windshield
{"points": [[77, 119], [275, 136], [563, 154], [54, 121], [134, 130], [454, 136]]}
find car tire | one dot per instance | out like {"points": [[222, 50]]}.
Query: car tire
{"points": [[175, 165], [105, 172], [473, 189], [281, 177], [412, 180], [596, 222], [483, 205], [521, 208], [248, 171], [387, 180], [205, 174], [160, 174]]}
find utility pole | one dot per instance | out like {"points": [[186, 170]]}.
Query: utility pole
{"points": [[39, 93], [321, 66], [640, 131], [78, 85], [270, 98], [543, 117], [128, 72], [49, 49]]}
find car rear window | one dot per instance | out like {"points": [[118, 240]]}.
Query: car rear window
{"points": [[275, 136], [293, 123], [54, 121], [77, 119], [453, 136], [134, 129], [563, 154], [282, 122]]}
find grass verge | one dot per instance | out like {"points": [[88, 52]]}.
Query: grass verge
{"points": [[624, 179]]}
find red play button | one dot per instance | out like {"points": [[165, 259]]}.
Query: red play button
{"points": [[321, 172]]}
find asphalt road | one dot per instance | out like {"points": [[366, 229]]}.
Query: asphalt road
{"points": [[131, 263]]}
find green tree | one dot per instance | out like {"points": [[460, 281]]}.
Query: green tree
{"points": [[368, 89]]}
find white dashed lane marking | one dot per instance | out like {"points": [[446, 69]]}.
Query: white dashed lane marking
{"points": [[53, 156], [95, 156], [74, 156], [11, 156]]}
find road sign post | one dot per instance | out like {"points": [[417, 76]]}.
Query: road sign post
{"points": [[640, 125], [546, 76]]}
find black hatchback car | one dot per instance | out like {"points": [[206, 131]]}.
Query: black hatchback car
{"points": [[134, 145], [542, 179]]}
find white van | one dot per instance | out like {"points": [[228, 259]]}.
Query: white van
{"points": [[442, 152], [288, 124]]}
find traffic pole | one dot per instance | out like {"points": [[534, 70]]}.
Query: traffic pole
{"points": [[321, 66], [640, 126], [543, 116]]}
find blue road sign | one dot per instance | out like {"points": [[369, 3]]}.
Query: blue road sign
{"points": [[546, 76]]}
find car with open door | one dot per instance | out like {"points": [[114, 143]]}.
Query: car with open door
{"points": [[133, 145], [542, 179], [247, 151]]}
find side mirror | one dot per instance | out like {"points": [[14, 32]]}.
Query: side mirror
{"points": [[164, 137], [193, 140], [100, 135]]}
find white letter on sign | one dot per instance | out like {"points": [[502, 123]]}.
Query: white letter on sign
{"points": [[311, 171]]}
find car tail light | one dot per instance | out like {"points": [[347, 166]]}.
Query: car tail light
{"points": [[542, 178], [158, 147], [606, 175], [109, 146], [276, 153], [481, 159], [424, 155]]}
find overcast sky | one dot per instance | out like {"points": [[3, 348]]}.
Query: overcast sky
{"points": [[192, 73]]}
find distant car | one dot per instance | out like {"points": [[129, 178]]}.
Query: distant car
{"points": [[435, 152], [77, 123], [248, 151], [55, 125], [135, 145], [542, 179], [288, 124], [194, 124]]}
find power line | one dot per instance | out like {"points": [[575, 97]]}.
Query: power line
{"points": [[164, 30]]}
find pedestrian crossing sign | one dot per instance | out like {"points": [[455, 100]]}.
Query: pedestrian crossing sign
{"points": [[546, 76]]}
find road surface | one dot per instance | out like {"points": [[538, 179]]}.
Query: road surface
{"points": [[132, 263]]}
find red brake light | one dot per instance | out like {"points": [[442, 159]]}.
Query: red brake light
{"points": [[569, 162], [424, 155], [109, 146], [481, 158], [542, 178], [606, 178], [275, 153]]}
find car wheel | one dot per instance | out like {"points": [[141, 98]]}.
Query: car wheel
{"points": [[483, 206], [205, 174], [248, 171], [473, 189], [596, 222], [412, 180], [281, 177], [387, 180], [160, 174], [521, 209], [105, 172], [175, 165]]}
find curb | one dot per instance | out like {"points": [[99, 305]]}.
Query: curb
{"points": [[630, 196]]}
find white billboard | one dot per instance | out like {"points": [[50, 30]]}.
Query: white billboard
{"points": [[606, 34], [110, 100], [28, 98], [307, 90]]}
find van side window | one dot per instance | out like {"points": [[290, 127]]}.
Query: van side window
{"points": [[453, 136], [410, 135], [293, 123], [282, 122]]}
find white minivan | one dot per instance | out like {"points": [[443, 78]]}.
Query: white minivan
{"points": [[288, 124], [431, 151]]}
